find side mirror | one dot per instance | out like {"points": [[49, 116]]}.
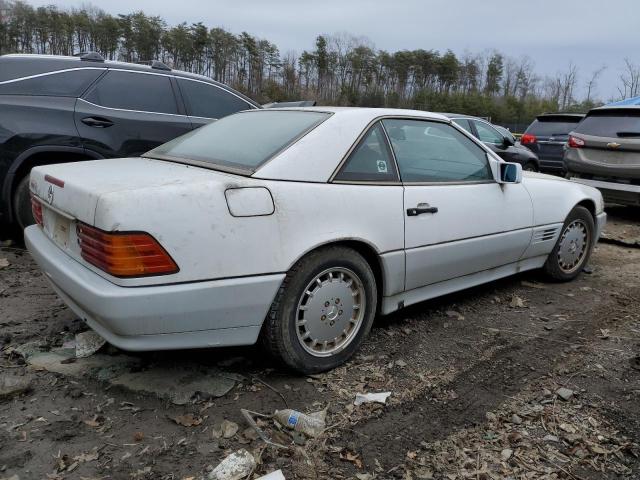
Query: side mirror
{"points": [[510, 172], [507, 141]]}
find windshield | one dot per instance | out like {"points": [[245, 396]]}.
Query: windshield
{"points": [[240, 142]]}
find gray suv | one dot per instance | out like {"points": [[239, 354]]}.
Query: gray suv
{"points": [[604, 151]]}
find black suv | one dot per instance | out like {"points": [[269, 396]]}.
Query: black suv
{"points": [[498, 139], [61, 109], [547, 136]]}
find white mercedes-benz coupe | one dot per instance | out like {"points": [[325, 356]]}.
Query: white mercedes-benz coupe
{"points": [[296, 227]]}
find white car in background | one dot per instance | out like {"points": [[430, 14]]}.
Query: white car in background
{"points": [[297, 226]]}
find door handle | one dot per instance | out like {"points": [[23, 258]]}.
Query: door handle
{"points": [[419, 210], [97, 122]]}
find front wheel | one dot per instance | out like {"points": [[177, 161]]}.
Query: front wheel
{"points": [[530, 167], [323, 310], [573, 248]]}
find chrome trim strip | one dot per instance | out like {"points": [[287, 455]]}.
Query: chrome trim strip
{"points": [[46, 74], [131, 111]]}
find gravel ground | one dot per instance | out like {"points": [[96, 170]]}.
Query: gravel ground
{"points": [[518, 378]]}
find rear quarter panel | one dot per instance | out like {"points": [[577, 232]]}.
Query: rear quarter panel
{"points": [[193, 223]]}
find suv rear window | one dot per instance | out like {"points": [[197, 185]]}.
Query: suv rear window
{"points": [[553, 126], [209, 101], [241, 142], [57, 84], [618, 123]]}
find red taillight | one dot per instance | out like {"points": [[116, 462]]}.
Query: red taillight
{"points": [[575, 142], [528, 139], [124, 254], [36, 209]]}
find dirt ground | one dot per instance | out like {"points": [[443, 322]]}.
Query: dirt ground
{"points": [[518, 379]]}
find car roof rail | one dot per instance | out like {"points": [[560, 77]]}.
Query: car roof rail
{"points": [[157, 64], [90, 56]]}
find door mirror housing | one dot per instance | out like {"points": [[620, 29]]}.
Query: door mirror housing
{"points": [[510, 172], [507, 141]]}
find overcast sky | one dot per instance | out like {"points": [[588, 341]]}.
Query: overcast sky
{"points": [[590, 33]]}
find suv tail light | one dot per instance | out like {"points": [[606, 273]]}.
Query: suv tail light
{"points": [[575, 142], [36, 209], [528, 139], [124, 254]]}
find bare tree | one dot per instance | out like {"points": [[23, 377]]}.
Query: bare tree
{"points": [[630, 79], [593, 82]]}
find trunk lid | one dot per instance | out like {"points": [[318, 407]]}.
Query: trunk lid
{"points": [[71, 192], [74, 189]]}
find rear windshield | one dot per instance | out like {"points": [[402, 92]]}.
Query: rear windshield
{"points": [[619, 124], [551, 126], [243, 141]]}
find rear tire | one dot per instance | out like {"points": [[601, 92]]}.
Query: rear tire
{"points": [[323, 310], [22, 204], [573, 248]]}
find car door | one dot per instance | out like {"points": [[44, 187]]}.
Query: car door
{"points": [[128, 113], [458, 219], [205, 102]]}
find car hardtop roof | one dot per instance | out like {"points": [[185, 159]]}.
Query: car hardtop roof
{"points": [[462, 115], [61, 62], [370, 112]]}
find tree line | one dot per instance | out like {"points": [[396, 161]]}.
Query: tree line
{"points": [[340, 69]]}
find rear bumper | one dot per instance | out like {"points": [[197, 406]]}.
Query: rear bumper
{"points": [[187, 315], [575, 164], [613, 192]]}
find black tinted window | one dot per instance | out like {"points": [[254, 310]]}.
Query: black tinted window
{"points": [[613, 124], [134, 91], [62, 84], [204, 100], [371, 160], [552, 127], [436, 152]]}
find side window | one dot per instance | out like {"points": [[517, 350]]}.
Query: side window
{"points": [[487, 133], [371, 161], [436, 152], [134, 91], [463, 123], [204, 100], [61, 84]]}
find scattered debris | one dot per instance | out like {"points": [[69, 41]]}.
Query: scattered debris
{"points": [[506, 454], [454, 314], [4, 262], [525, 283], [11, 386], [311, 425], [88, 343], [516, 302], [564, 393], [227, 429], [237, 466], [277, 475], [371, 398], [187, 420]]}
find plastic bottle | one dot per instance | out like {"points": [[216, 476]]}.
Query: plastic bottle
{"points": [[311, 425]]}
